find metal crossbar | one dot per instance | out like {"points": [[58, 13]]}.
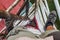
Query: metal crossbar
{"points": [[39, 9]]}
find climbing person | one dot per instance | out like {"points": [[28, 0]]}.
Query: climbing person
{"points": [[21, 33]]}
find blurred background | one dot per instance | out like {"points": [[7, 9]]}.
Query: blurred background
{"points": [[52, 7]]}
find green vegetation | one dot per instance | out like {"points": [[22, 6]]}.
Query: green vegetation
{"points": [[52, 7]]}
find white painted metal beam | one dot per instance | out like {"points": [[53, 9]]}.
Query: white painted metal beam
{"points": [[57, 7]]}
